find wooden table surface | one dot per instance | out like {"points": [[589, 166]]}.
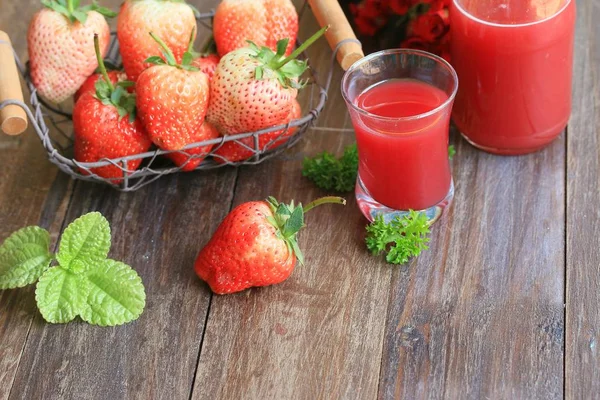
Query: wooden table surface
{"points": [[503, 306]]}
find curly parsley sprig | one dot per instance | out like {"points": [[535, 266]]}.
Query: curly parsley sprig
{"points": [[330, 173], [402, 238]]}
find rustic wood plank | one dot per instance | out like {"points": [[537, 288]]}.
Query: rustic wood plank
{"points": [[582, 359], [318, 334], [28, 196], [157, 231], [481, 314]]}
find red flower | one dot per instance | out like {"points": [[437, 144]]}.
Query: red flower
{"points": [[428, 26]]}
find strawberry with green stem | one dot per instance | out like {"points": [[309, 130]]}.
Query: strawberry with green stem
{"points": [[172, 99], [106, 126], [255, 88], [255, 245], [170, 19], [60, 44]]}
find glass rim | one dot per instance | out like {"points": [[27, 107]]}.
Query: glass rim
{"points": [[501, 25], [419, 53]]}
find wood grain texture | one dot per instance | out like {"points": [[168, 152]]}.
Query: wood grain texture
{"points": [[481, 314], [26, 179], [157, 231], [583, 221], [318, 335]]}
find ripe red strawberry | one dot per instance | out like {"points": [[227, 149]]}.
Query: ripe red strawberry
{"points": [[90, 83], [262, 21], [255, 245], [189, 161], [61, 49], [254, 88], [233, 151], [172, 99], [207, 64], [105, 126], [172, 20]]}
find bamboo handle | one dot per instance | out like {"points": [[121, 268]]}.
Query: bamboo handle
{"points": [[329, 12], [13, 119]]}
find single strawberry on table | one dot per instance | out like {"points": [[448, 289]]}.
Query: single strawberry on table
{"points": [[263, 22], [255, 88], [106, 127], [172, 20], [189, 159], [255, 245], [172, 99], [61, 48]]}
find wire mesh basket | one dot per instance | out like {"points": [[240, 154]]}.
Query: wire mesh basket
{"points": [[58, 141]]}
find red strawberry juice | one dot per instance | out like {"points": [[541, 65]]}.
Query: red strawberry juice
{"points": [[404, 156], [514, 60]]}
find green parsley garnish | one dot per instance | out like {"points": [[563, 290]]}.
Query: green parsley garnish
{"points": [[404, 237], [330, 173], [84, 282], [451, 152]]}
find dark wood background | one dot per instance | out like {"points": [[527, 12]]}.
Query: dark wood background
{"points": [[503, 306]]}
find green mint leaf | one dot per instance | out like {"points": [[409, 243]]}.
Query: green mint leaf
{"points": [[85, 243], [451, 152], [116, 294], [60, 295], [24, 256]]}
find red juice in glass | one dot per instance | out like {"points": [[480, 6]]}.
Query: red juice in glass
{"points": [[514, 59], [407, 168], [400, 103]]}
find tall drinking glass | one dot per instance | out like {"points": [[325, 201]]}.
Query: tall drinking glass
{"points": [[514, 59], [400, 103]]}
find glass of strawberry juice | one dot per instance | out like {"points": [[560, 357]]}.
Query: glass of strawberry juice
{"points": [[400, 103], [514, 59]]}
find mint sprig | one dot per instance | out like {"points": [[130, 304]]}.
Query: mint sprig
{"points": [[84, 282]]}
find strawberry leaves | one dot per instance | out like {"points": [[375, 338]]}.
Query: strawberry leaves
{"points": [[84, 283], [114, 95], [75, 13], [286, 70], [24, 257], [288, 219], [168, 57]]}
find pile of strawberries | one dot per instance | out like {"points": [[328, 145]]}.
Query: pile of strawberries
{"points": [[168, 95]]}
